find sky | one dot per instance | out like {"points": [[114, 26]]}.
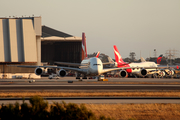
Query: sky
{"points": [[138, 26]]}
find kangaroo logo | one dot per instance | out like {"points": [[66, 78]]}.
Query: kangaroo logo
{"points": [[83, 47], [118, 55]]}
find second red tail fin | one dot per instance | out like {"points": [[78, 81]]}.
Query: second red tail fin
{"points": [[97, 54], [118, 57], [159, 59], [84, 50]]}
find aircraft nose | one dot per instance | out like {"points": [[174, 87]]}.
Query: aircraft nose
{"points": [[99, 68], [96, 70]]}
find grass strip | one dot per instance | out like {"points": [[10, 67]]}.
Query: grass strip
{"points": [[137, 111], [91, 94], [137, 83]]}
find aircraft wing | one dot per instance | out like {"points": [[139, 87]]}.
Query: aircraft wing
{"points": [[31, 66], [61, 67], [124, 68], [107, 63], [168, 66], [74, 69], [70, 64]]}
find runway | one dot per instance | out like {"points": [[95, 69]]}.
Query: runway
{"points": [[101, 100], [113, 84], [87, 87], [65, 79], [88, 84]]}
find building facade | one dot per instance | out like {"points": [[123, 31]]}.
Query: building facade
{"points": [[24, 41]]}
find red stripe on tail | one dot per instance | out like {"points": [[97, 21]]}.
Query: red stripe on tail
{"points": [[84, 49], [97, 54]]}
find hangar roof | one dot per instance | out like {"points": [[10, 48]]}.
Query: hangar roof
{"points": [[49, 34]]}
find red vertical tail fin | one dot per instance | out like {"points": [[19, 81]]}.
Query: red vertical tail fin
{"points": [[118, 57], [97, 54], [84, 50], [158, 60]]}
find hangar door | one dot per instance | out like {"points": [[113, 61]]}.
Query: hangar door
{"points": [[61, 51]]}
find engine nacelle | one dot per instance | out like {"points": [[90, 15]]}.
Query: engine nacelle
{"points": [[62, 73], [171, 72], [162, 73], [38, 71], [167, 71], [143, 72], [123, 73]]}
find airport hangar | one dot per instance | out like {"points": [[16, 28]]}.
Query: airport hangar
{"points": [[24, 41]]}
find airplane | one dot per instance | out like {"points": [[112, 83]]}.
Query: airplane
{"points": [[82, 65], [140, 69], [168, 69], [88, 67], [161, 73]]}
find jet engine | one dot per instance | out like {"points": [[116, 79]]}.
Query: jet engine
{"points": [[62, 73], [38, 71], [169, 72], [143, 72], [123, 73], [162, 73]]}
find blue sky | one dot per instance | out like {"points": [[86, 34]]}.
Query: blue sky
{"points": [[132, 25]]}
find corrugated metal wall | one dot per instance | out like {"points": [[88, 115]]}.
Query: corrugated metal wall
{"points": [[17, 41], [1, 42]]}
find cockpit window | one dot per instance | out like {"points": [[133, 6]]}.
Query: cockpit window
{"points": [[96, 64]]}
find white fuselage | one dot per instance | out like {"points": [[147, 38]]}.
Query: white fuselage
{"points": [[143, 64], [93, 65], [139, 66]]}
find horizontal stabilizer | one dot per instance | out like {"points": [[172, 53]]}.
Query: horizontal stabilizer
{"points": [[142, 59]]}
